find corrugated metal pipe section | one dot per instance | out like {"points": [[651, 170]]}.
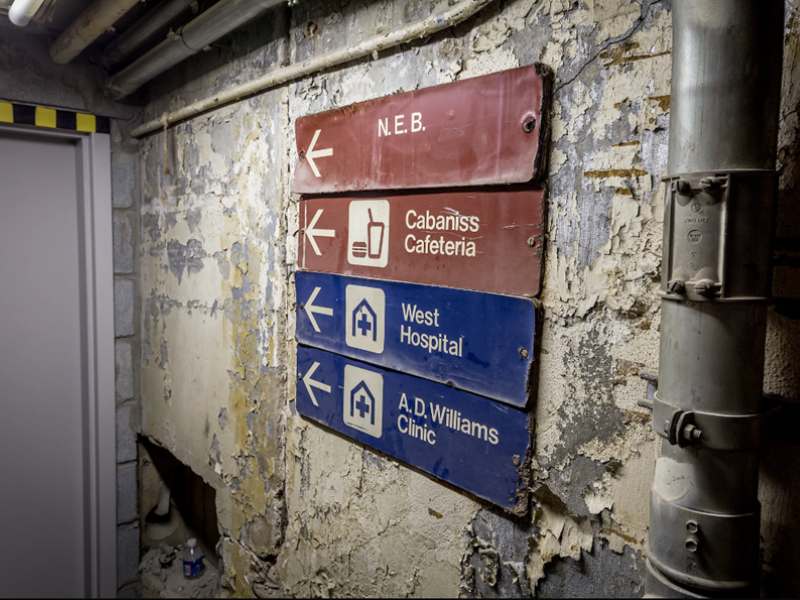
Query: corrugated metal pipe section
{"points": [[220, 19], [718, 229]]}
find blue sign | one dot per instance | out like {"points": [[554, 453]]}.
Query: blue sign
{"points": [[482, 343], [479, 446]]}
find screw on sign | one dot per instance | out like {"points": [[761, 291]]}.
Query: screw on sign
{"points": [[480, 131]]}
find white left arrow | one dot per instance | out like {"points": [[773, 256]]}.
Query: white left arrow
{"points": [[313, 153], [313, 383], [312, 308], [312, 233]]}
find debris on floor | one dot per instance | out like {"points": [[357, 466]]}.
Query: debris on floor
{"points": [[162, 576]]}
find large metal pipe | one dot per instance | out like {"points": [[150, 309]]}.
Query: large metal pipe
{"points": [[93, 22], [704, 517], [144, 29], [220, 19]]}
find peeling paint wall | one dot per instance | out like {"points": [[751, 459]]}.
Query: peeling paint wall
{"points": [[305, 512]]}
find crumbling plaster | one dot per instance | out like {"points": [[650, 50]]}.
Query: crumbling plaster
{"points": [[305, 512]]}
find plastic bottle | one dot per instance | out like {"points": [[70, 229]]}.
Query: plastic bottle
{"points": [[193, 565]]}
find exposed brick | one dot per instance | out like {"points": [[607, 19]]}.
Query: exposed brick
{"points": [[123, 307], [123, 241], [126, 492], [127, 553], [123, 362], [126, 432], [124, 178]]}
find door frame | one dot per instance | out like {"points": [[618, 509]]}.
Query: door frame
{"points": [[97, 344]]}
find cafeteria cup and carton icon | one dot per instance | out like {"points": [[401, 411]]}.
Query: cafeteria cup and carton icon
{"points": [[368, 232]]}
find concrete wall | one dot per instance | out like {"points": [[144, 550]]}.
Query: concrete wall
{"points": [[28, 75], [304, 512]]}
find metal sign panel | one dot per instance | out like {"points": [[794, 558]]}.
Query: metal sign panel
{"points": [[487, 241], [480, 131], [483, 343], [482, 447]]}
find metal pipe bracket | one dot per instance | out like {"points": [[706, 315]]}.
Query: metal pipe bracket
{"points": [[715, 431], [718, 236]]}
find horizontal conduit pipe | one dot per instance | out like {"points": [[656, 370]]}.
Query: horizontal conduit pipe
{"points": [[93, 22], [420, 29], [22, 11], [217, 21], [144, 29]]}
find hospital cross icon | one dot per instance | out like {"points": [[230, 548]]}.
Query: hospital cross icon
{"points": [[366, 311], [362, 402]]}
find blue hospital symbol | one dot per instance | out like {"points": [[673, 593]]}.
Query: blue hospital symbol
{"points": [[365, 307], [362, 403], [362, 400], [364, 320]]}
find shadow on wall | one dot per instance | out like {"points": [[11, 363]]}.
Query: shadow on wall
{"points": [[780, 456]]}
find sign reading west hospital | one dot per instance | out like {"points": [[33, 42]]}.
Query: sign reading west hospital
{"points": [[480, 131], [453, 435], [482, 343], [488, 241]]}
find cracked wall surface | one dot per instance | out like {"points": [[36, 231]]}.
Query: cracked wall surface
{"points": [[304, 512]]}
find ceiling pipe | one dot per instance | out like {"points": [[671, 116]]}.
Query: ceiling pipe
{"points": [[716, 281], [22, 11], [93, 22], [144, 29], [217, 21], [370, 47]]}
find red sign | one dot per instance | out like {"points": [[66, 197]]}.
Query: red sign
{"points": [[480, 240], [485, 130]]}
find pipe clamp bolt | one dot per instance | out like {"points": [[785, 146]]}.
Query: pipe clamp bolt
{"points": [[706, 287], [676, 286]]}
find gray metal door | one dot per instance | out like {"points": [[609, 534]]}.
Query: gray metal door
{"points": [[44, 507]]}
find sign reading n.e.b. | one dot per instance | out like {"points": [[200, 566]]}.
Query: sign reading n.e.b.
{"points": [[482, 447], [482, 240], [482, 343], [480, 131]]}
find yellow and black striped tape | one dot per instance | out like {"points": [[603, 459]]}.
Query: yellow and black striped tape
{"points": [[52, 118]]}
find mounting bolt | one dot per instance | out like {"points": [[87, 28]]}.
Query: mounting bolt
{"points": [[712, 182], [692, 526], [691, 434], [691, 544], [676, 286], [684, 187], [705, 287], [667, 423], [523, 352], [531, 241], [528, 123]]}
